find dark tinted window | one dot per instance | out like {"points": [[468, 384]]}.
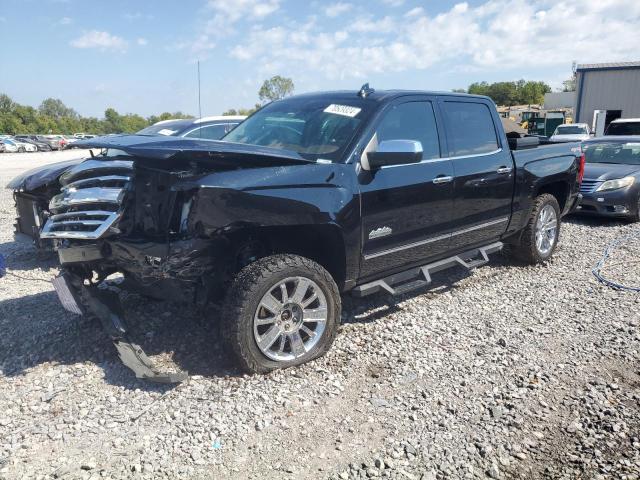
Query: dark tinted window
{"points": [[470, 128], [209, 132], [412, 121], [623, 128]]}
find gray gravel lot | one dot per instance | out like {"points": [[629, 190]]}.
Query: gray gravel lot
{"points": [[507, 372]]}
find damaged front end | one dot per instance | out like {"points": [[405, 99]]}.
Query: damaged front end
{"points": [[32, 192], [131, 213]]}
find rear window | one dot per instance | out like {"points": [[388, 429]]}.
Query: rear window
{"points": [[618, 153], [571, 130], [470, 128], [623, 128]]}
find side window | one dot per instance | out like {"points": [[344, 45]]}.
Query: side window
{"points": [[209, 132], [470, 128], [230, 126], [412, 121]]}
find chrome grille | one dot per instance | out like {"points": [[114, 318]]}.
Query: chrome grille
{"points": [[589, 186], [90, 202]]}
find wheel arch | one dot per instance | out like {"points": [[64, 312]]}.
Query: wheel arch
{"points": [[559, 189], [324, 244]]}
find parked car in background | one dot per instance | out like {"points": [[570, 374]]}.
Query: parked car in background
{"points": [[611, 185], [53, 142], [9, 146], [42, 146], [624, 126], [571, 132], [206, 128], [70, 140], [22, 146]]}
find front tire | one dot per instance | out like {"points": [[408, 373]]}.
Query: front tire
{"points": [[540, 236], [280, 311]]}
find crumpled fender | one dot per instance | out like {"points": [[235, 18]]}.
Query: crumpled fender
{"points": [[41, 176]]}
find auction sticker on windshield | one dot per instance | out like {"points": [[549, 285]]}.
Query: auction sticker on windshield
{"points": [[344, 110]]}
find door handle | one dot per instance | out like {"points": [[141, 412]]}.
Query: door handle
{"points": [[504, 170], [442, 179]]}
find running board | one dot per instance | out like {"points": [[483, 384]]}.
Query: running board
{"points": [[419, 277]]}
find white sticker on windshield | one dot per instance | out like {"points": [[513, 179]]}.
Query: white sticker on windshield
{"points": [[166, 131], [344, 110]]}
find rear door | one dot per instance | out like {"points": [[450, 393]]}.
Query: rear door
{"points": [[483, 170], [406, 209]]}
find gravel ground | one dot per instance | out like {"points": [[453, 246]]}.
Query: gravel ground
{"points": [[507, 372]]}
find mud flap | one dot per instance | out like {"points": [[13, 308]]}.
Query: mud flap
{"points": [[104, 303]]}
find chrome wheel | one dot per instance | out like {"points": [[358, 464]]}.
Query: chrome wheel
{"points": [[546, 230], [290, 319]]}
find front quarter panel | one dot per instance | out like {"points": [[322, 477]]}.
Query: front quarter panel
{"points": [[297, 195]]}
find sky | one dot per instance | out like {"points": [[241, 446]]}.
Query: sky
{"points": [[139, 56]]}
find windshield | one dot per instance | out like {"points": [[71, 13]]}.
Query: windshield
{"points": [[315, 128], [622, 153], [571, 130], [169, 128], [623, 128]]}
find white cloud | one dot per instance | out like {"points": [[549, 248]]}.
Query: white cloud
{"points": [[414, 12], [232, 11], [142, 41], [222, 16], [65, 21], [336, 9], [393, 3], [100, 40], [496, 34]]}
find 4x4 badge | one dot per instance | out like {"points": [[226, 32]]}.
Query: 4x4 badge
{"points": [[380, 232]]}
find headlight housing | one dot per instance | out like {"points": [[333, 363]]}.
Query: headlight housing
{"points": [[616, 183]]}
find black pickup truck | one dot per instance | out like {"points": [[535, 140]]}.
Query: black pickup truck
{"points": [[311, 197]]}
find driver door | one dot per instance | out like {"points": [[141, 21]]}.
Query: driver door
{"points": [[406, 209]]}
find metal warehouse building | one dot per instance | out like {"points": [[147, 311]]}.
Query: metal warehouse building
{"points": [[610, 89]]}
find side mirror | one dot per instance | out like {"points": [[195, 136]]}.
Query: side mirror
{"points": [[395, 152]]}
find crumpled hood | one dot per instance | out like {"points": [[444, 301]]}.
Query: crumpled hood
{"points": [[40, 176], [162, 148], [609, 171]]}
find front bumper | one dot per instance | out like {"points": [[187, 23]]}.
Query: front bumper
{"points": [[102, 301], [619, 203]]}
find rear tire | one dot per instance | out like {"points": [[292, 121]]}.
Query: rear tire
{"points": [[20, 149], [267, 326], [539, 238]]}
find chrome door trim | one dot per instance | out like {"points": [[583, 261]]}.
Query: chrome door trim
{"points": [[444, 159], [435, 239]]}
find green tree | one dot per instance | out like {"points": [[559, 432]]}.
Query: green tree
{"points": [[275, 88], [533, 93], [6, 104], [521, 92], [54, 108]]}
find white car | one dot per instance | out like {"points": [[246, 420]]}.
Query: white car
{"points": [[9, 146], [20, 146], [571, 132], [624, 126]]}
